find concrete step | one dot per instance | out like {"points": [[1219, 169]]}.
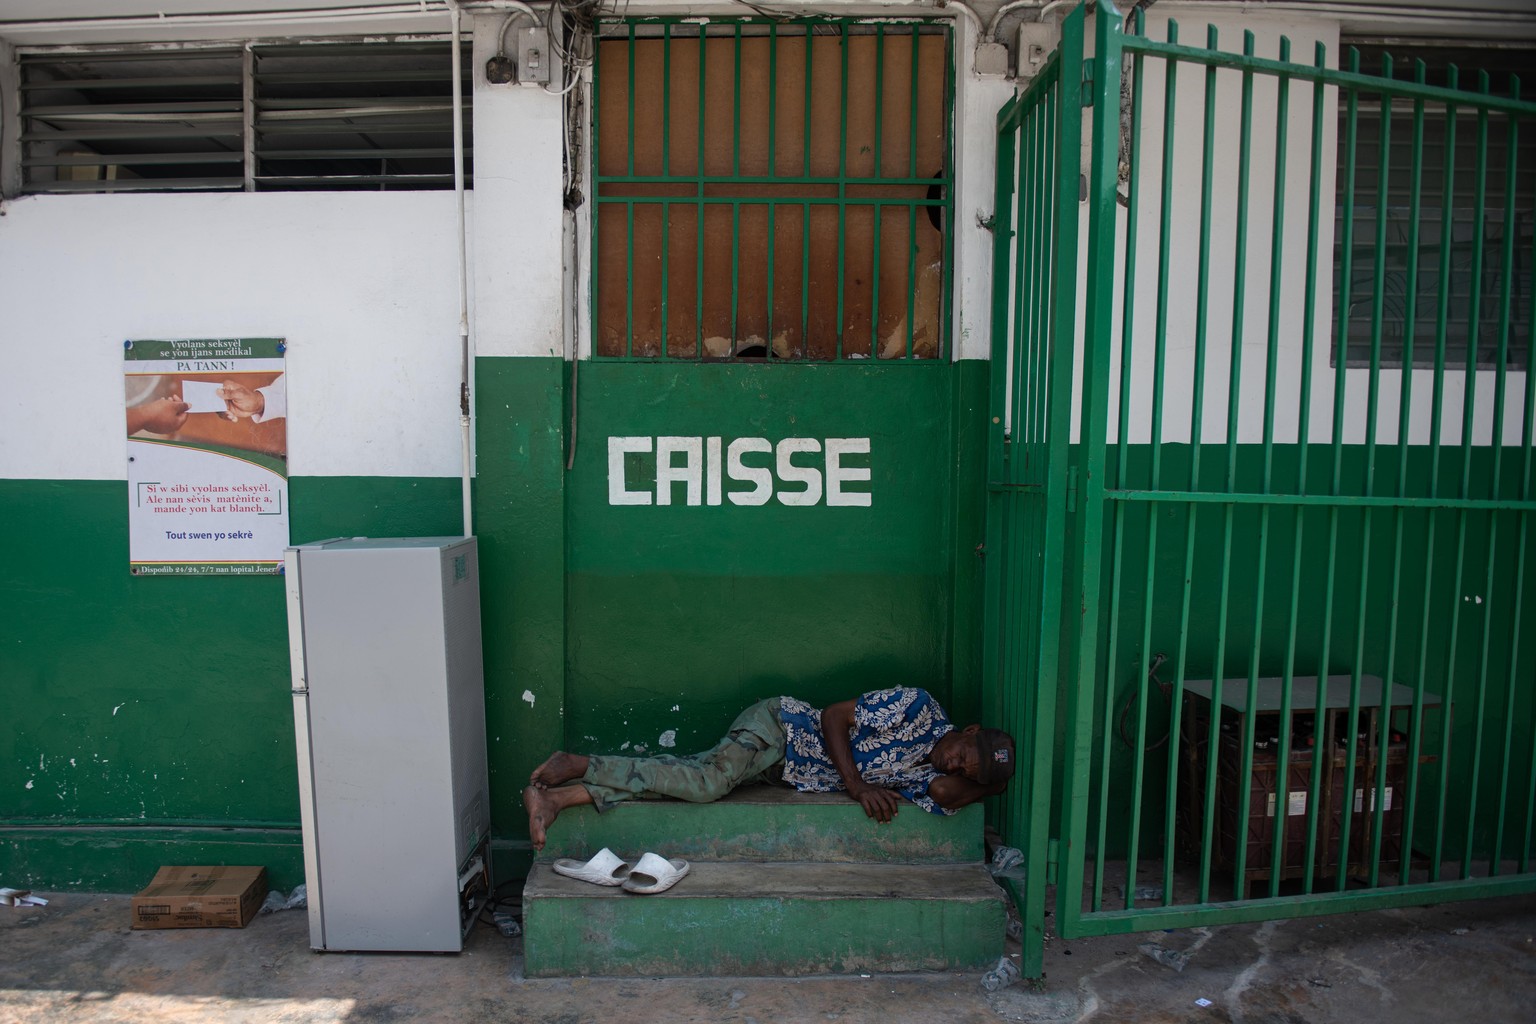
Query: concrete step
{"points": [[770, 823], [767, 919]]}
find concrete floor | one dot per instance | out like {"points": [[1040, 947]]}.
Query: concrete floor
{"points": [[76, 960]]}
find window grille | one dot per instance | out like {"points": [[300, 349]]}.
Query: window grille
{"points": [[1460, 220], [319, 116], [773, 190]]}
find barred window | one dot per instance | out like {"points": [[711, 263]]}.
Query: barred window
{"points": [[1480, 255], [773, 189], [314, 116]]}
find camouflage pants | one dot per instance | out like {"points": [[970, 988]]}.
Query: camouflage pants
{"points": [[749, 753]]}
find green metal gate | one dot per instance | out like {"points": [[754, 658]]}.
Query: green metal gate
{"points": [[1267, 581]]}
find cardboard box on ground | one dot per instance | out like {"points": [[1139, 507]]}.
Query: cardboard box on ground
{"points": [[200, 897]]}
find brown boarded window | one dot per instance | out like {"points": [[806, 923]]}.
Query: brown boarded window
{"points": [[773, 190]]}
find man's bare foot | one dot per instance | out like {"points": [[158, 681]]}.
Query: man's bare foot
{"points": [[559, 769], [545, 805], [541, 814]]}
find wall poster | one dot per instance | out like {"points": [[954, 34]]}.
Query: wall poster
{"points": [[207, 456]]}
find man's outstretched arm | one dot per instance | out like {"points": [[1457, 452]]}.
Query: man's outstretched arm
{"points": [[836, 724], [952, 792]]}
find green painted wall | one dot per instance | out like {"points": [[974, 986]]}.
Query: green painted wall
{"points": [[157, 722], [614, 625], [162, 701], [153, 715]]}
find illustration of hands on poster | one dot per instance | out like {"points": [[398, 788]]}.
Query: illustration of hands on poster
{"points": [[207, 456]]}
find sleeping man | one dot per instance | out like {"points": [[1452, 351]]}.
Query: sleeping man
{"points": [[883, 748]]}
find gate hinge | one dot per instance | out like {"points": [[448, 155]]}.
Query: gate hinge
{"points": [[1088, 75], [1052, 858], [1071, 488]]}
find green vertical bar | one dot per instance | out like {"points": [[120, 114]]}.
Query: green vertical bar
{"points": [[1240, 268], [806, 149], [666, 263], [1378, 745], [1501, 364], [1525, 530], [592, 218], [629, 275], [736, 107], [874, 301], [1405, 406], [703, 53], [997, 566], [1196, 434], [1234, 392], [698, 270], [1004, 239], [842, 186], [1474, 347], [948, 211], [912, 272], [879, 101], [773, 258], [1119, 513], [735, 271], [1272, 350], [1081, 672], [912, 267], [666, 108], [1346, 268], [631, 100], [805, 279], [1378, 278], [1341, 360], [773, 113], [912, 109], [1159, 362], [1303, 439], [805, 221], [1442, 320]]}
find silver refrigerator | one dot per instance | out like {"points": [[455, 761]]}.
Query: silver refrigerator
{"points": [[389, 715]]}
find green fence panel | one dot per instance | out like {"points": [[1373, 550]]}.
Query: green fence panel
{"points": [[1296, 533]]}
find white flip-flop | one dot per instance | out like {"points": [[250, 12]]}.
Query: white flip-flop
{"points": [[654, 874], [603, 869]]}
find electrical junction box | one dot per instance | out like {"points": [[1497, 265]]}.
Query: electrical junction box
{"points": [[1037, 40], [533, 58], [992, 60]]}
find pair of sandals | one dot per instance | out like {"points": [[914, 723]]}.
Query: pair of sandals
{"points": [[651, 875]]}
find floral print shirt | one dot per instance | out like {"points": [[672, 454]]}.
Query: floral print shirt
{"points": [[893, 732]]}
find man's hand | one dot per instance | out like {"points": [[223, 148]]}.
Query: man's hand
{"points": [[241, 402], [836, 727], [162, 416], [880, 804]]}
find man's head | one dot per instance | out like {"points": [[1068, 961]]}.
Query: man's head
{"points": [[985, 756]]}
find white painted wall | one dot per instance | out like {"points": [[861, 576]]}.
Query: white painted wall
{"points": [[977, 101], [362, 284], [517, 220], [1184, 246]]}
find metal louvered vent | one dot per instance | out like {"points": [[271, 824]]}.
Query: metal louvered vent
{"points": [[318, 116]]}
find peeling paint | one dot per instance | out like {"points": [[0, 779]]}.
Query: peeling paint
{"points": [[29, 783], [528, 696], [668, 738]]}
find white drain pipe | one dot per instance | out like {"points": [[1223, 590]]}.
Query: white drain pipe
{"points": [[465, 423]]}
